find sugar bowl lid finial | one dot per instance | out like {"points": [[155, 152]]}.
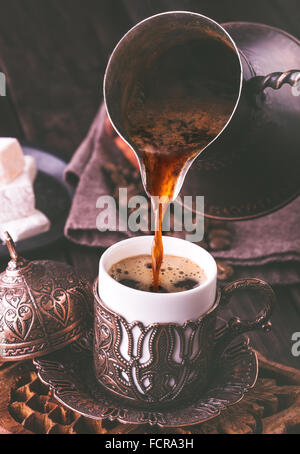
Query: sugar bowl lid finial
{"points": [[11, 247]]}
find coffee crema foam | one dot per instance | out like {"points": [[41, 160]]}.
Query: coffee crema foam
{"points": [[177, 274]]}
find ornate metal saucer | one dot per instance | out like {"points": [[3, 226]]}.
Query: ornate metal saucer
{"points": [[71, 377]]}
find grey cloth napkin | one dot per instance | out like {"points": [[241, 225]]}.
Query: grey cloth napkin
{"points": [[267, 247], [85, 171]]}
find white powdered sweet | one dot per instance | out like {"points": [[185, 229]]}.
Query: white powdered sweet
{"points": [[26, 227], [17, 198], [18, 214], [11, 160], [30, 168]]}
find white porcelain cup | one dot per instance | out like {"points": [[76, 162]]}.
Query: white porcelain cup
{"points": [[149, 307]]}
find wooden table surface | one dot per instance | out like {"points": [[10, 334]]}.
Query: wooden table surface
{"points": [[54, 54]]}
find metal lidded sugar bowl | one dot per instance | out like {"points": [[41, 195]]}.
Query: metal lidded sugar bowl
{"points": [[43, 307]]}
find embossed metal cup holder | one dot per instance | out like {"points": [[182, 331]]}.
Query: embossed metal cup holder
{"points": [[162, 363]]}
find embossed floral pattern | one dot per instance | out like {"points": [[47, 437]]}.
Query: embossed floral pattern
{"points": [[43, 306], [154, 364]]}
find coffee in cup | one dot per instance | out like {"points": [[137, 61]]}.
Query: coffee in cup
{"points": [[177, 274]]}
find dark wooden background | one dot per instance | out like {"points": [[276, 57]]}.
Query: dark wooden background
{"points": [[54, 53]]}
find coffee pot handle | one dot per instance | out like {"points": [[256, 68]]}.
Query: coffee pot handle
{"points": [[275, 80], [235, 326]]}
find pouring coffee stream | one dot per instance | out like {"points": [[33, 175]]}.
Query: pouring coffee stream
{"points": [[171, 111]]}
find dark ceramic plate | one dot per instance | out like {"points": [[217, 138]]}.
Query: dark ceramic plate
{"points": [[53, 197], [70, 375]]}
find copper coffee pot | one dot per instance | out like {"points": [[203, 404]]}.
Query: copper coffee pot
{"points": [[252, 167]]}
